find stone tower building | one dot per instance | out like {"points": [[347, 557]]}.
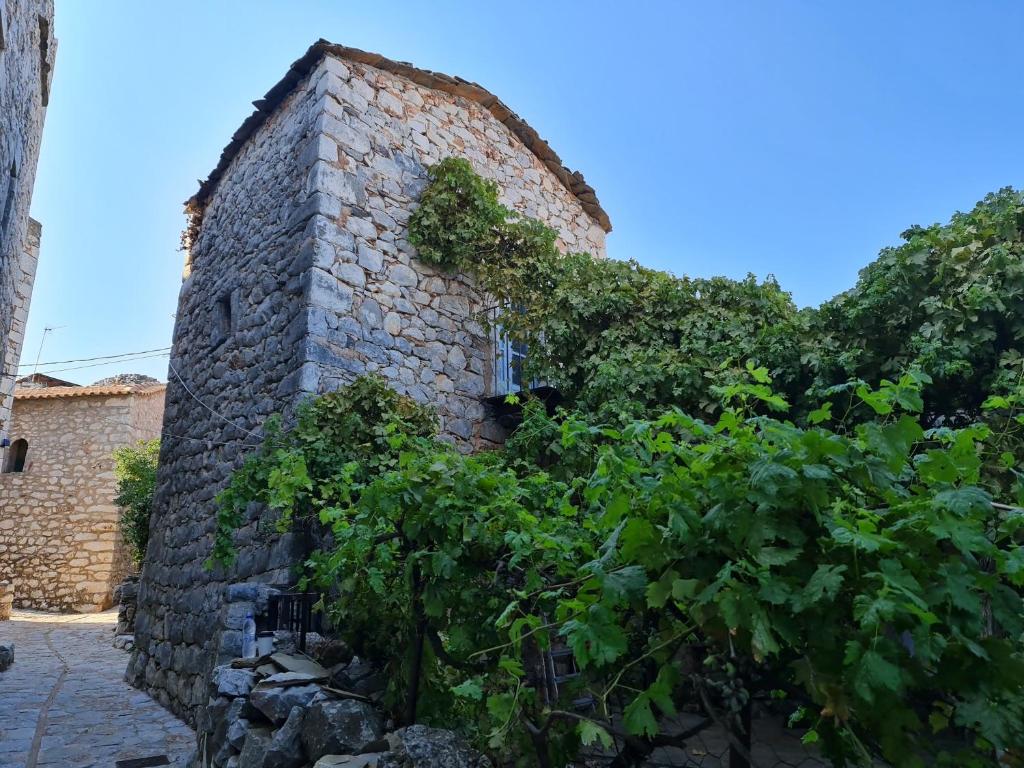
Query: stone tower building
{"points": [[27, 50], [299, 278]]}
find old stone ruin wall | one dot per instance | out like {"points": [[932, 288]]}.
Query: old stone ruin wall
{"points": [[23, 273], [27, 51], [373, 306], [240, 322], [60, 541], [299, 279], [303, 705]]}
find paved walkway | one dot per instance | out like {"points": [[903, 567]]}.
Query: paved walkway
{"points": [[64, 702]]}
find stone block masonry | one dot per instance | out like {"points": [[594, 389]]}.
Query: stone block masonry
{"points": [[27, 51], [22, 274], [60, 542], [298, 279]]}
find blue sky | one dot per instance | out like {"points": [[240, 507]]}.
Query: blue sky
{"points": [[786, 138]]}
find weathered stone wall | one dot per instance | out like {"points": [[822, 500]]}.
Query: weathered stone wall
{"points": [[23, 274], [373, 307], [60, 543], [27, 50], [300, 278], [240, 322]]}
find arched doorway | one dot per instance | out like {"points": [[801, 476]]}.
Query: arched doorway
{"points": [[16, 456]]}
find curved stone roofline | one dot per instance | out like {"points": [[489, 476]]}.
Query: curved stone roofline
{"points": [[45, 393], [572, 180]]}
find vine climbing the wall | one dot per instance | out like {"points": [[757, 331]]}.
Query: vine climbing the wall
{"points": [[711, 520]]}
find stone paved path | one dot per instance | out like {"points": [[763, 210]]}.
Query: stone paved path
{"points": [[64, 702]]}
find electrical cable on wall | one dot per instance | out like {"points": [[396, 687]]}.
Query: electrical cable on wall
{"points": [[211, 410]]}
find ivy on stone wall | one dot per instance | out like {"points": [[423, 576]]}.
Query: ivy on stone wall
{"points": [[861, 579], [720, 514], [619, 340], [614, 337]]}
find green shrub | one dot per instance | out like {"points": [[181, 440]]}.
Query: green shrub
{"points": [[135, 470], [861, 573]]}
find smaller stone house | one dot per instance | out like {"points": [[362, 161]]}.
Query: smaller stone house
{"points": [[60, 542]]}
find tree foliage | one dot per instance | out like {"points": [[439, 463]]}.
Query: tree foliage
{"points": [[135, 471], [949, 300], [742, 500], [863, 573], [615, 338], [338, 439], [619, 339]]}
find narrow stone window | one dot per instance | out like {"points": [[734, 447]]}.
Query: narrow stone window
{"points": [[12, 187], [44, 59], [3, 28], [16, 456], [223, 317]]}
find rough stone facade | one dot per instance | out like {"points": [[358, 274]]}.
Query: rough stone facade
{"points": [[27, 50], [299, 278], [60, 543]]}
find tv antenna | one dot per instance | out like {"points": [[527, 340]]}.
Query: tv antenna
{"points": [[39, 354]]}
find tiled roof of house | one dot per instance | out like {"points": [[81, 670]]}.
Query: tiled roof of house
{"points": [[572, 180], [45, 393]]}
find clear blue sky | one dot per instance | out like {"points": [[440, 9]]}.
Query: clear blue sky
{"points": [[791, 138]]}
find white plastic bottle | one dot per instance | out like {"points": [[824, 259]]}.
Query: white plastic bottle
{"points": [[249, 637]]}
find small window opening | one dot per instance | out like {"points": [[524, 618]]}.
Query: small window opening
{"points": [[16, 456], [223, 317], [44, 59], [12, 187], [3, 28]]}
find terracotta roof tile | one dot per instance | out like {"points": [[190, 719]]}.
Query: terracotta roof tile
{"points": [[46, 393]]}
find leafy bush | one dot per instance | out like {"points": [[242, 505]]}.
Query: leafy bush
{"points": [[135, 470], [338, 439], [861, 563], [949, 301], [859, 573], [614, 337]]}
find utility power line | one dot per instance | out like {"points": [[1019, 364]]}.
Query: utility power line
{"points": [[101, 357], [47, 372], [110, 362]]}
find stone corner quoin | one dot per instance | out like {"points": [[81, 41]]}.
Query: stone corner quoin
{"points": [[300, 278]]}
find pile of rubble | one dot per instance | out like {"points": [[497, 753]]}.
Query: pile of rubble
{"points": [[287, 710]]}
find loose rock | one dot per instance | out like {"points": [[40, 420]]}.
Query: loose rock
{"points": [[277, 702], [6, 655], [418, 746], [285, 749], [228, 681], [339, 726], [291, 663], [348, 761]]}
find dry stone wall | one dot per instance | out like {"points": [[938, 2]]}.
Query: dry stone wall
{"points": [[23, 274], [300, 278], [240, 324], [27, 50], [373, 307], [60, 544]]}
